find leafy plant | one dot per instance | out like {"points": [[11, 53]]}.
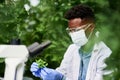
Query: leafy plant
{"points": [[41, 63]]}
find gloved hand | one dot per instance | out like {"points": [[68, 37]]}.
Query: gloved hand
{"points": [[45, 73]]}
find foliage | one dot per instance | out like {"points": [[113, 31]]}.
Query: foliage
{"points": [[46, 21], [41, 63]]}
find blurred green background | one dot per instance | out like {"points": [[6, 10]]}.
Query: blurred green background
{"points": [[41, 20]]}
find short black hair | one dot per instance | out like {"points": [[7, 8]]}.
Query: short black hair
{"points": [[80, 11]]}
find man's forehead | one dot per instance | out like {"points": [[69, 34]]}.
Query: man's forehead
{"points": [[75, 22], [78, 22]]}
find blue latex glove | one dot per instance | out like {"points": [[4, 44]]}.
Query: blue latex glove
{"points": [[45, 73]]}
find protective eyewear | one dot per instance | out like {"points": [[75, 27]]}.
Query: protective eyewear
{"points": [[86, 26]]}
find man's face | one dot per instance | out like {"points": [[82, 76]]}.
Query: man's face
{"points": [[81, 23], [74, 23]]}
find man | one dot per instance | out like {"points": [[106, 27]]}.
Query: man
{"points": [[84, 59]]}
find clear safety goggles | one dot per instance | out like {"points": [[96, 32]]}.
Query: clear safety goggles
{"points": [[70, 30]]}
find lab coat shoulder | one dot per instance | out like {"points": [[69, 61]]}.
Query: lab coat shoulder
{"points": [[70, 50], [99, 59], [104, 49], [66, 64], [103, 53]]}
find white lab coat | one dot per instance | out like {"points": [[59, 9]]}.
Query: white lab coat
{"points": [[70, 64]]}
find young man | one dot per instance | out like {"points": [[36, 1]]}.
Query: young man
{"points": [[84, 59]]}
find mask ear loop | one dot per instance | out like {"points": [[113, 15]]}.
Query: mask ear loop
{"points": [[90, 35], [88, 26], [91, 32]]}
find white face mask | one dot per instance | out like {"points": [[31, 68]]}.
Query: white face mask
{"points": [[79, 38]]}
